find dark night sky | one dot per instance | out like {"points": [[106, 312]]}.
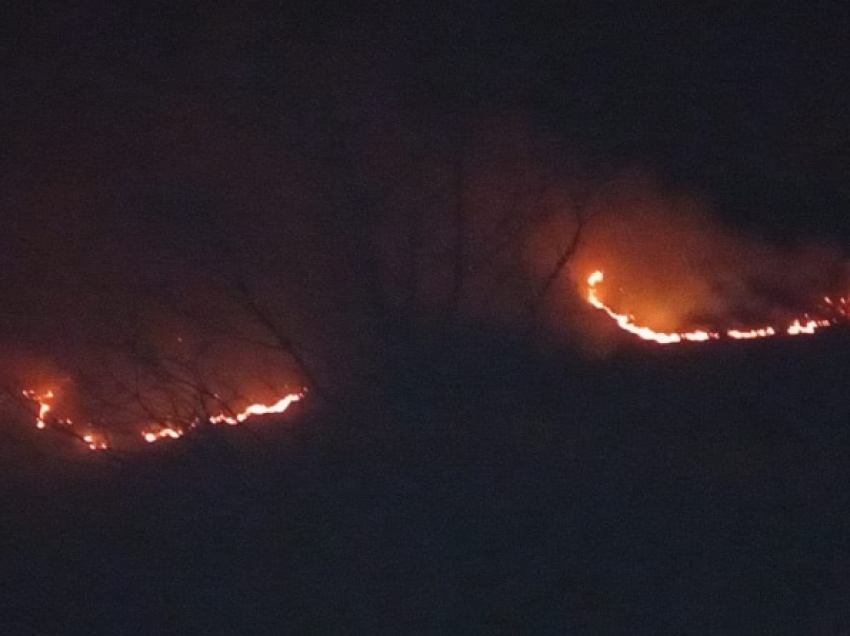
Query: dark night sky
{"points": [[746, 100], [136, 132], [130, 130], [107, 107], [126, 128]]}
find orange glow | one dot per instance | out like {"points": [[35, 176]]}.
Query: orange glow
{"points": [[257, 409], [96, 440], [626, 322], [808, 327], [43, 401], [155, 434], [751, 334]]}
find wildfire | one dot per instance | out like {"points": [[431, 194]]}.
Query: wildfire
{"points": [[257, 409], [96, 440], [93, 439], [44, 407], [626, 322], [155, 434], [158, 433]]}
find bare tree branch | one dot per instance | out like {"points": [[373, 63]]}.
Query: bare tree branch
{"points": [[579, 212]]}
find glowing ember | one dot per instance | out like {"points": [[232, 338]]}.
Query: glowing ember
{"points": [[626, 322], [96, 441]]}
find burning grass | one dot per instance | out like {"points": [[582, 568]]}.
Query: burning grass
{"points": [[799, 326]]}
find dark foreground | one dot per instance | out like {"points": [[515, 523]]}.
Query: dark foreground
{"points": [[695, 491]]}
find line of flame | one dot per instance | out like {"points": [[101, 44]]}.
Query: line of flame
{"points": [[626, 322], [159, 433], [42, 399], [155, 434], [93, 439], [257, 409], [97, 441]]}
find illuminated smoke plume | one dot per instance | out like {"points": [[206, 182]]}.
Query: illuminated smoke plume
{"points": [[671, 268]]}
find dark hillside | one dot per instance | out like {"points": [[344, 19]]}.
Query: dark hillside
{"points": [[697, 490]]}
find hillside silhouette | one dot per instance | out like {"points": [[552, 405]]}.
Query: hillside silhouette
{"points": [[494, 488]]}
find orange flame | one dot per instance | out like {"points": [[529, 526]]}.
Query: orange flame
{"points": [[96, 440], [257, 409], [158, 433], [626, 322], [93, 439], [155, 434], [42, 399]]}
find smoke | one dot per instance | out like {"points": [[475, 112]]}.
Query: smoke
{"points": [[674, 266], [140, 273]]}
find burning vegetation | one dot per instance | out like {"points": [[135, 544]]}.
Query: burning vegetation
{"points": [[97, 439], [804, 325], [654, 262], [660, 265], [484, 224]]}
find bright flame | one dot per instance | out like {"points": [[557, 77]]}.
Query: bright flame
{"points": [[809, 327], [626, 322], [158, 433], [151, 435], [96, 440], [751, 334], [44, 407], [257, 409]]}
